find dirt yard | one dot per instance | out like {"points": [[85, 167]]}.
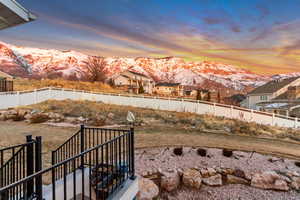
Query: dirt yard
{"points": [[151, 136]]}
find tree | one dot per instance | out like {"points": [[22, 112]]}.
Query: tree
{"points": [[208, 96], [141, 88], [219, 97], [199, 96], [95, 69]]}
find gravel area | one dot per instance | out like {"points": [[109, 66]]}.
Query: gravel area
{"points": [[163, 158], [230, 192], [151, 160]]}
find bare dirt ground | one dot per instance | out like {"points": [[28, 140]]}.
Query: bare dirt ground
{"points": [[151, 136]]}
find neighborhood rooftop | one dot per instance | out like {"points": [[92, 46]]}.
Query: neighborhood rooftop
{"points": [[136, 73], [273, 86], [167, 84]]}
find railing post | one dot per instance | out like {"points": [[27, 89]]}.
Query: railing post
{"points": [[132, 153], [35, 96], [30, 166], [53, 162], [38, 167], [82, 149]]}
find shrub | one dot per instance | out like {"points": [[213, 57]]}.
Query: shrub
{"points": [[38, 118]]}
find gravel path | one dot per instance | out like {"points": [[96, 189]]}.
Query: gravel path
{"points": [[149, 160], [230, 192]]}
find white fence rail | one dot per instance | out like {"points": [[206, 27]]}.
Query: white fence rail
{"points": [[14, 99]]}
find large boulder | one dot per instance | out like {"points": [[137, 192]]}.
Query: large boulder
{"points": [[170, 181], [231, 179], [148, 190], [192, 178], [215, 180], [269, 180]]}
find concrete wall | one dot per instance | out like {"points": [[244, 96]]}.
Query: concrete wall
{"points": [[170, 104]]}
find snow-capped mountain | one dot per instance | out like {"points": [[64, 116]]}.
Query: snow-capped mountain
{"points": [[48, 63]]}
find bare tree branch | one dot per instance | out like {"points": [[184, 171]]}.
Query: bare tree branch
{"points": [[95, 69]]}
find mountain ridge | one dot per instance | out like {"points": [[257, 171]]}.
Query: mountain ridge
{"points": [[50, 63]]}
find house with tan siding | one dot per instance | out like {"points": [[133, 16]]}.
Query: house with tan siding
{"points": [[270, 92]]}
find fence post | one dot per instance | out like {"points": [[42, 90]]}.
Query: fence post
{"points": [[82, 143], [35, 96], [50, 92], [132, 153], [273, 118], [296, 122], [30, 166], [231, 111], [215, 111], [18, 98], [38, 167]]}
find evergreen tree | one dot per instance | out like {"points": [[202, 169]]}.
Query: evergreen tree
{"points": [[219, 97], [199, 96], [209, 96], [141, 88]]}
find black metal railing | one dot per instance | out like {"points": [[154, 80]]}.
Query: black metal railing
{"points": [[20, 161], [6, 85], [95, 173], [85, 138]]}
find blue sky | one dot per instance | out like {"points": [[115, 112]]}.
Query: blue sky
{"points": [[256, 34]]}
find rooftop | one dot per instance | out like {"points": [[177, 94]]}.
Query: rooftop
{"points": [[167, 84], [273, 86], [12, 14], [136, 73]]}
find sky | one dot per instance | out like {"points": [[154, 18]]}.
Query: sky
{"points": [[259, 35]]}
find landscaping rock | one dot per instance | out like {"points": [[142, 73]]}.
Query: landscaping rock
{"points": [[28, 116], [297, 164], [111, 115], [281, 185], [170, 181], [72, 120], [227, 153], [231, 179], [211, 171], [202, 152], [204, 173], [269, 180], [38, 118], [148, 190], [295, 183], [192, 178], [215, 180], [178, 151], [239, 173]]}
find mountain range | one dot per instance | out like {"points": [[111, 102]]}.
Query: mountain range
{"points": [[48, 63]]}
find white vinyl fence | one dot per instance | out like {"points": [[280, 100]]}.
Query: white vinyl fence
{"points": [[14, 99]]}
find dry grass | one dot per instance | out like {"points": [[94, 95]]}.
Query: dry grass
{"points": [[30, 84], [188, 121]]}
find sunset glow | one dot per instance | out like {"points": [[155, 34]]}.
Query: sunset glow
{"points": [[257, 35]]}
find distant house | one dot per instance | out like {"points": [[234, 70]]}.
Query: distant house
{"points": [[169, 89], [190, 91], [6, 76], [271, 92], [134, 82]]}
